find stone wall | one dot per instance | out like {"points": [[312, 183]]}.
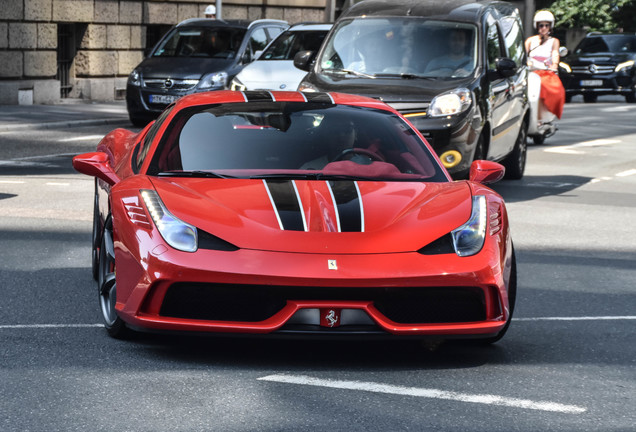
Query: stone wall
{"points": [[111, 39]]}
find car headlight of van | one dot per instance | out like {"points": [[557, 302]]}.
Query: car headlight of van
{"points": [[236, 84], [469, 238], [217, 80], [175, 232], [306, 87], [624, 65], [134, 78], [450, 103]]}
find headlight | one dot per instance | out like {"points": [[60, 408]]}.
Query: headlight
{"points": [[625, 65], [134, 78], [566, 67], [306, 87], [469, 238], [217, 80], [450, 103], [237, 85], [175, 232]]}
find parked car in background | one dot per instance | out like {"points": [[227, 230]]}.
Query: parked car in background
{"points": [[601, 64], [457, 70], [195, 55], [274, 69]]}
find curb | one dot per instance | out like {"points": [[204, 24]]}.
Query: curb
{"points": [[61, 124]]}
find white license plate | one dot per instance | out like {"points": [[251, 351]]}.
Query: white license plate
{"points": [[162, 99], [591, 83]]}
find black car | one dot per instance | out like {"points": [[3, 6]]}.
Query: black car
{"points": [[195, 55], [601, 64], [457, 70]]}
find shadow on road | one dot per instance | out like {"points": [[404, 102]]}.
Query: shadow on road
{"points": [[533, 187]]}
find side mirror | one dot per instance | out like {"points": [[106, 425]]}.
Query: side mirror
{"points": [[485, 172], [303, 59], [95, 165], [505, 67]]}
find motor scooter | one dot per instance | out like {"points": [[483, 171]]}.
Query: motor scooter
{"points": [[542, 122]]}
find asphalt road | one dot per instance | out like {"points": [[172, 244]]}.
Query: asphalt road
{"points": [[568, 362]]}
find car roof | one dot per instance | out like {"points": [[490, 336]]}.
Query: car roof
{"points": [[456, 10], [310, 26], [207, 22]]}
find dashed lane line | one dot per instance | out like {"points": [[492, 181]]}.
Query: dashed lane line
{"points": [[430, 393]]}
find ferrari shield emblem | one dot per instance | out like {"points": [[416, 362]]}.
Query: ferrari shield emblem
{"points": [[332, 265]]}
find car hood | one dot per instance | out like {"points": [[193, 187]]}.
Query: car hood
{"points": [[384, 217], [181, 67], [603, 58], [390, 89], [271, 75]]}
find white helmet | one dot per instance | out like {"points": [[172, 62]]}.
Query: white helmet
{"points": [[543, 16], [210, 10]]}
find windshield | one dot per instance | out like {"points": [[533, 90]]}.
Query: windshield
{"points": [[287, 45], [375, 47], [295, 140], [201, 42], [608, 43]]}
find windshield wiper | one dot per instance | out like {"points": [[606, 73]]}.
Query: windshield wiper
{"points": [[351, 72], [404, 76], [196, 173]]}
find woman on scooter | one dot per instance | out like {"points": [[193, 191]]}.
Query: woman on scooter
{"points": [[543, 59]]}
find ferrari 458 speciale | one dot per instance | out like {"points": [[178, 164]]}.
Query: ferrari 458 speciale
{"points": [[293, 213]]}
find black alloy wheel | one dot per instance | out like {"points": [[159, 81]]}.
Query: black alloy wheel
{"points": [[515, 162], [107, 284]]}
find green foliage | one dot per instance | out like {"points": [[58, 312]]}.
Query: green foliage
{"points": [[595, 15]]}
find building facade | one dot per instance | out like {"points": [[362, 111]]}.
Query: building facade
{"points": [[55, 49]]}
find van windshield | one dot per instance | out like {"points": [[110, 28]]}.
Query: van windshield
{"points": [[402, 48]]}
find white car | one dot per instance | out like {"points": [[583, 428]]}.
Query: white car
{"points": [[274, 69]]}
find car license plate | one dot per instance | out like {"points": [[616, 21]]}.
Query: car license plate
{"points": [[591, 83], [162, 99]]}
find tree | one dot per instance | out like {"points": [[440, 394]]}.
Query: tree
{"points": [[594, 15]]}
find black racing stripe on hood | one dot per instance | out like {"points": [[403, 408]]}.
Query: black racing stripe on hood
{"points": [[347, 200], [286, 204], [318, 97], [260, 95]]}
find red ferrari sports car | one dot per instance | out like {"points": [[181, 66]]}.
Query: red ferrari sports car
{"points": [[295, 213]]}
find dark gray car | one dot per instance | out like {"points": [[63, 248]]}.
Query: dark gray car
{"points": [[195, 55]]}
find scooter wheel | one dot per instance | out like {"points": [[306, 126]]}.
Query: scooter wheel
{"points": [[538, 139]]}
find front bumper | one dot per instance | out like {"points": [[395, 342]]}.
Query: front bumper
{"points": [[458, 133], [257, 292], [618, 83]]}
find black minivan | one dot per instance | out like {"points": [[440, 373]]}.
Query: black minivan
{"points": [[195, 55], [456, 69]]}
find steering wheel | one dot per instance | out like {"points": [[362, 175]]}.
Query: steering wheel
{"points": [[373, 156]]}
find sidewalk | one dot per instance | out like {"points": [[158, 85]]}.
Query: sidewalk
{"points": [[68, 114]]}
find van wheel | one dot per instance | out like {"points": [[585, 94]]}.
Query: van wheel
{"points": [[515, 163]]}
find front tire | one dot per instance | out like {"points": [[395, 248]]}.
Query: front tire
{"points": [[515, 162], [589, 98], [107, 285]]}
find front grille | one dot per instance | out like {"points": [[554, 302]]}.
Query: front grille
{"points": [[593, 69], [253, 303], [170, 84]]}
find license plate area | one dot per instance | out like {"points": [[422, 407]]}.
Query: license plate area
{"points": [[591, 83], [162, 99]]}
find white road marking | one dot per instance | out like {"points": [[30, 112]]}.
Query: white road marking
{"points": [[11, 182], [583, 318], [57, 184], [572, 149], [47, 326], [425, 393], [626, 173], [81, 138]]}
